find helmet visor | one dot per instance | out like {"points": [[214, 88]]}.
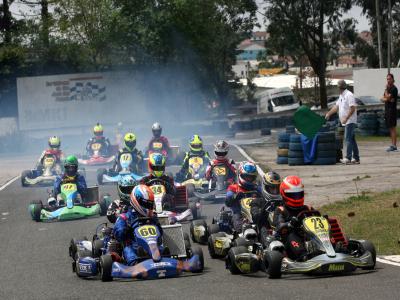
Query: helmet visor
{"points": [[147, 204], [248, 177], [71, 170], [196, 146], [157, 132], [221, 153], [295, 195], [272, 189], [130, 144], [158, 168], [98, 133]]}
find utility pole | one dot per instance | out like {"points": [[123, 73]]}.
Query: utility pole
{"points": [[390, 46], [378, 23]]}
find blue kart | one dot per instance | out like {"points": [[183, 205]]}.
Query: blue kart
{"points": [[105, 176], [160, 256]]}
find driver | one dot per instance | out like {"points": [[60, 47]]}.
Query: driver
{"points": [[285, 217], [235, 192], [157, 172], [70, 175], [141, 206], [54, 149], [98, 139], [125, 186], [196, 150], [221, 149], [158, 138], [129, 147]]}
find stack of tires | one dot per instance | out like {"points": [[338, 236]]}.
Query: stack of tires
{"points": [[382, 129], [295, 154], [283, 148], [326, 149], [367, 124]]}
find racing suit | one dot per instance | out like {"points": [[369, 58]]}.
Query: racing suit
{"points": [[234, 194], [169, 186], [287, 230], [123, 232], [136, 164], [229, 163], [166, 148], [56, 152], [105, 145], [78, 179], [183, 173]]}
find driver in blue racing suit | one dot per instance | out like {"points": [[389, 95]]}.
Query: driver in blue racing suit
{"points": [[142, 206]]}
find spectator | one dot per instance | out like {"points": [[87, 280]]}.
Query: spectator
{"points": [[390, 99], [347, 108]]}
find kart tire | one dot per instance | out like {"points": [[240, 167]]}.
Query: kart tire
{"points": [[36, 210], [103, 206], [193, 209], [296, 154], [100, 173], [213, 228], [240, 241], [210, 245], [230, 260], [190, 189], [326, 137], [282, 160], [106, 267], [73, 250], [368, 246], [196, 250], [273, 264], [283, 137], [265, 131], [96, 248], [296, 147], [296, 161], [283, 145], [295, 138], [199, 223], [26, 173], [325, 160], [326, 153], [325, 146], [283, 152]]}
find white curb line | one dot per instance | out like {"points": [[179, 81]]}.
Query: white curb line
{"points": [[9, 182], [385, 260], [240, 149]]}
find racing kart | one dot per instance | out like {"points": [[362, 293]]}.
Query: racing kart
{"points": [[160, 256], [216, 186], [96, 158], [328, 252], [196, 180], [105, 176], [44, 177], [70, 206], [174, 158]]}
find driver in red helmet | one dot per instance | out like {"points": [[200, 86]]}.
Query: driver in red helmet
{"points": [[285, 221]]}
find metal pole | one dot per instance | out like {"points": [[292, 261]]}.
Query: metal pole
{"points": [[378, 23], [390, 47]]}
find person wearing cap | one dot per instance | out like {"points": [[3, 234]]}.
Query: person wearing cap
{"points": [[346, 107]]}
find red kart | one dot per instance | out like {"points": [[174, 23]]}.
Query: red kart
{"points": [[96, 159]]}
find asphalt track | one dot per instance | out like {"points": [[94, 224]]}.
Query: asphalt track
{"points": [[34, 264]]}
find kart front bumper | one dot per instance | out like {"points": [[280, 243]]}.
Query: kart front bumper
{"points": [[65, 214]]}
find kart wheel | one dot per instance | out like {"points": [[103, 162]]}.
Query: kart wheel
{"points": [[190, 189], [203, 239], [106, 267], [198, 251], [193, 209], [213, 228], [73, 250], [186, 238], [210, 244], [25, 174], [273, 264], [368, 246], [241, 242], [103, 206], [36, 209], [100, 173], [96, 248], [230, 260]]}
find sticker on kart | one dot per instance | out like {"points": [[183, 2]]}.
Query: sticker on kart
{"points": [[68, 188], [246, 202], [96, 146], [220, 171], [158, 189], [147, 231], [48, 161], [157, 146]]}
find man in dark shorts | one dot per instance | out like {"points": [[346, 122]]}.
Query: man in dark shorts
{"points": [[390, 99]]}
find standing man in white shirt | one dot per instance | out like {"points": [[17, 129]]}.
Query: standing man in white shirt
{"points": [[347, 108]]}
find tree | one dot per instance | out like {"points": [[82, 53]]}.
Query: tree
{"points": [[314, 26]]}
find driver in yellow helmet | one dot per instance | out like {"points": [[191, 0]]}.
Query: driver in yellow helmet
{"points": [[53, 150], [98, 139], [196, 150], [129, 147]]}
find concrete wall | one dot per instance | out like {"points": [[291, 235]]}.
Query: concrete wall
{"points": [[372, 82]]}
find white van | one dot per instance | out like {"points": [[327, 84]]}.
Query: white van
{"points": [[276, 100]]}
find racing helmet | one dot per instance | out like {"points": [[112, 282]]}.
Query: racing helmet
{"points": [[54, 142], [125, 187], [157, 129], [247, 175], [221, 149], [157, 164], [142, 200], [271, 182], [292, 191], [196, 143], [98, 130], [71, 166], [130, 141]]}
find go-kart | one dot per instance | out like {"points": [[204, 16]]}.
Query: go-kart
{"points": [[328, 252], [196, 180], [105, 176], [44, 177], [174, 156], [160, 256], [96, 158], [70, 206]]}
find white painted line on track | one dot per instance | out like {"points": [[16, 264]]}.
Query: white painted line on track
{"points": [[383, 259], [9, 182]]}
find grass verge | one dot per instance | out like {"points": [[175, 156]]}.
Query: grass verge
{"points": [[374, 217]]}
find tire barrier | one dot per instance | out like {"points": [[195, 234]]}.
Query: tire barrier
{"points": [[283, 148], [265, 131], [261, 123], [295, 154]]}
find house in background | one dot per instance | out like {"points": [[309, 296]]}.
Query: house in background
{"points": [[249, 50]]}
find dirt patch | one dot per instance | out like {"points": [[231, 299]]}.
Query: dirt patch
{"points": [[378, 172]]}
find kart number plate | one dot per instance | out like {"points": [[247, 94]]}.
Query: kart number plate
{"points": [[49, 160], [316, 224], [157, 146], [68, 187], [218, 244], [85, 268], [96, 146], [147, 231], [246, 202], [196, 161], [221, 171], [126, 157], [158, 189]]}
